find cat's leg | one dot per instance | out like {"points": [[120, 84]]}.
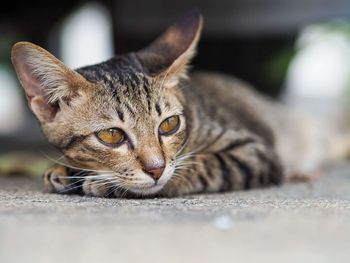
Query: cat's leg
{"points": [[238, 167], [64, 180], [59, 179], [98, 187], [252, 165]]}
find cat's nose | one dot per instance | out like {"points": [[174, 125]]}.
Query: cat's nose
{"points": [[155, 172], [152, 162]]}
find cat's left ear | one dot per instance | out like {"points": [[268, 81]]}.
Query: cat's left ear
{"points": [[46, 80], [170, 54]]}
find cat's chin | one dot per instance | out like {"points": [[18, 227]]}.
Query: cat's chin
{"points": [[149, 187], [147, 190]]}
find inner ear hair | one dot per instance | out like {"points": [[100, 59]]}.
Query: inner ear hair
{"points": [[45, 79]]}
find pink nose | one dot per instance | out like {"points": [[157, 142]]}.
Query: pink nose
{"points": [[155, 172]]}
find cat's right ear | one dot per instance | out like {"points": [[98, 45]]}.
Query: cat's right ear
{"points": [[45, 79]]}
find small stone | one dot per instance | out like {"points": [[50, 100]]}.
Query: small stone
{"points": [[223, 223]]}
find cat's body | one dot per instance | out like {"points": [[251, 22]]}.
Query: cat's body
{"points": [[223, 148], [234, 146], [138, 125]]}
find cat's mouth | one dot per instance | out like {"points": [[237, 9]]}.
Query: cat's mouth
{"points": [[147, 186]]}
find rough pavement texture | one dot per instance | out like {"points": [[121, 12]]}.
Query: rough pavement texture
{"points": [[295, 223]]}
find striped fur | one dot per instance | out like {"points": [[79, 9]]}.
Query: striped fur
{"points": [[223, 142]]}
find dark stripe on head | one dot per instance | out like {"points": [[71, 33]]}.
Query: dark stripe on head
{"points": [[227, 183], [130, 109], [146, 89], [149, 104], [159, 111], [167, 104], [148, 96], [120, 115]]}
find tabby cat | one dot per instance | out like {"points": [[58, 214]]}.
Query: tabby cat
{"points": [[140, 125]]}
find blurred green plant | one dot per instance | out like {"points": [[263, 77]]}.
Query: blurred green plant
{"points": [[338, 26], [275, 69], [23, 163], [6, 42]]}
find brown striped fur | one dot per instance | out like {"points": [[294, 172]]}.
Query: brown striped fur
{"points": [[224, 141]]}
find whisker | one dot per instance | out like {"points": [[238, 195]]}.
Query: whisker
{"points": [[125, 192], [77, 168], [97, 182], [182, 147], [179, 176], [85, 177], [188, 162], [119, 186]]}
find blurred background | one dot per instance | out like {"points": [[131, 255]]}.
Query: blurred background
{"points": [[297, 51]]}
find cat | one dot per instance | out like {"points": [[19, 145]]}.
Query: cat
{"points": [[141, 125]]}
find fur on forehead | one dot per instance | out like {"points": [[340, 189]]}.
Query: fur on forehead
{"points": [[139, 98], [125, 80], [128, 103]]}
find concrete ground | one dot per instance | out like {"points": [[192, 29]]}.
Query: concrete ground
{"points": [[307, 222]]}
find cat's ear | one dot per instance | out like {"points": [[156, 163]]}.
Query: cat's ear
{"points": [[170, 54], [45, 79]]}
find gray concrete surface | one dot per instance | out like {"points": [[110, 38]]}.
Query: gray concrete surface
{"points": [[295, 223]]}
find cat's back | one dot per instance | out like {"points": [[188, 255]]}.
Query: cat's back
{"points": [[233, 103], [229, 93], [214, 82]]}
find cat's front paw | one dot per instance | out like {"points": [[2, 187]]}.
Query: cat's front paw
{"points": [[98, 188], [56, 180]]}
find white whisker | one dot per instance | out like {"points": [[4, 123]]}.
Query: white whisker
{"points": [[77, 168]]}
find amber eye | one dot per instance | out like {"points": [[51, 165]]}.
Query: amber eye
{"points": [[111, 137], [169, 125]]}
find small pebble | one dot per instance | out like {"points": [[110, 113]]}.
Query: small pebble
{"points": [[223, 223]]}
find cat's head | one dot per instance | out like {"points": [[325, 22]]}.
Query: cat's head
{"points": [[125, 116]]}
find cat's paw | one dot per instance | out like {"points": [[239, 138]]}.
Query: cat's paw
{"points": [[93, 187], [56, 180]]}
